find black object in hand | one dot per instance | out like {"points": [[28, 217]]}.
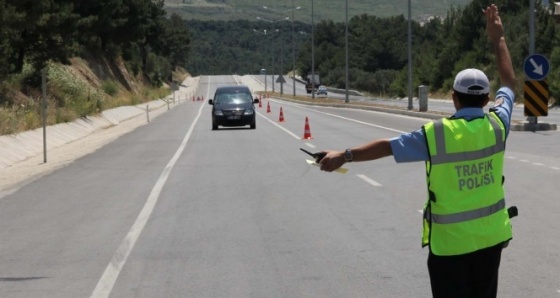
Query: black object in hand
{"points": [[318, 156]]}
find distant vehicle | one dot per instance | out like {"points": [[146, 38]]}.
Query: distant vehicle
{"points": [[263, 71], [322, 90], [312, 83], [233, 106]]}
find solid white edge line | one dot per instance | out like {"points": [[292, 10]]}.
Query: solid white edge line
{"points": [[345, 118], [369, 180], [111, 273], [277, 125], [329, 114]]}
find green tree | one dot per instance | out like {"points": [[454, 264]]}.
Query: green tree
{"points": [[103, 23], [46, 31], [8, 20], [177, 41]]}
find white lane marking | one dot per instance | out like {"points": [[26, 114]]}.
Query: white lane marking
{"points": [[111, 273], [362, 122], [534, 163], [277, 125], [310, 145], [420, 211], [369, 180], [350, 119]]}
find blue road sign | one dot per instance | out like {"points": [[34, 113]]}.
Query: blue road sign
{"points": [[536, 67]]}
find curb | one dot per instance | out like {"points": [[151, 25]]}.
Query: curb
{"points": [[526, 126]]}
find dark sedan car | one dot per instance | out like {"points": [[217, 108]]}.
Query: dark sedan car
{"points": [[233, 106]]}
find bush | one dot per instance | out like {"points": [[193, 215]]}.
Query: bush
{"points": [[72, 92], [110, 87]]}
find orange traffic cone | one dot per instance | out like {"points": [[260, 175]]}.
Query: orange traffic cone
{"points": [[281, 119], [268, 107], [260, 101], [307, 131]]}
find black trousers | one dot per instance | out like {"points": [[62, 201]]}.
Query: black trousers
{"points": [[470, 275]]}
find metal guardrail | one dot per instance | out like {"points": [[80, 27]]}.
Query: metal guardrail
{"points": [[334, 90]]}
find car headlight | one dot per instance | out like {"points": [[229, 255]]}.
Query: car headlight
{"points": [[248, 112], [218, 113]]}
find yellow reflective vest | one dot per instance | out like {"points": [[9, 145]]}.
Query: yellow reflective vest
{"points": [[466, 209]]}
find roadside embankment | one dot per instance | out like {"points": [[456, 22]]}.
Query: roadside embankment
{"points": [[21, 155]]}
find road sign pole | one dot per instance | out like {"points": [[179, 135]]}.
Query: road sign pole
{"points": [[281, 80], [44, 112], [532, 119]]}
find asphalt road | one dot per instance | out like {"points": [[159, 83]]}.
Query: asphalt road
{"points": [[174, 209]]}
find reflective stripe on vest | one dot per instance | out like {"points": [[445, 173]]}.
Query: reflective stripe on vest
{"points": [[467, 215], [443, 157], [466, 210]]}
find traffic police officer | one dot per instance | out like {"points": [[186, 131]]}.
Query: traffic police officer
{"points": [[466, 223]]}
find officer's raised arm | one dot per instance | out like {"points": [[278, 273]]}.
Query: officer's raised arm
{"points": [[495, 31]]}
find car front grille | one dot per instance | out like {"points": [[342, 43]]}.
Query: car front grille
{"points": [[234, 112]]}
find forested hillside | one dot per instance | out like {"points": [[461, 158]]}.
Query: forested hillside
{"points": [[377, 48], [90, 52]]}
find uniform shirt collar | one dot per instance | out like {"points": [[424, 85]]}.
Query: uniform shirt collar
{"points": [[469, 113]]}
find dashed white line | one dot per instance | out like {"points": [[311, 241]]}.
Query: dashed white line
{"points": [[369, 180], [538, 164], [310, 145]]}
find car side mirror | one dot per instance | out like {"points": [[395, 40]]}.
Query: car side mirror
{"points": [[256, 100], [210, 102]]}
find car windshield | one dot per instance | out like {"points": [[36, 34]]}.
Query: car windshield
{"points": [[233, 98]]}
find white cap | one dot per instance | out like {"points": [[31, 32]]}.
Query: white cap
{"points": [[471, 81]]}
